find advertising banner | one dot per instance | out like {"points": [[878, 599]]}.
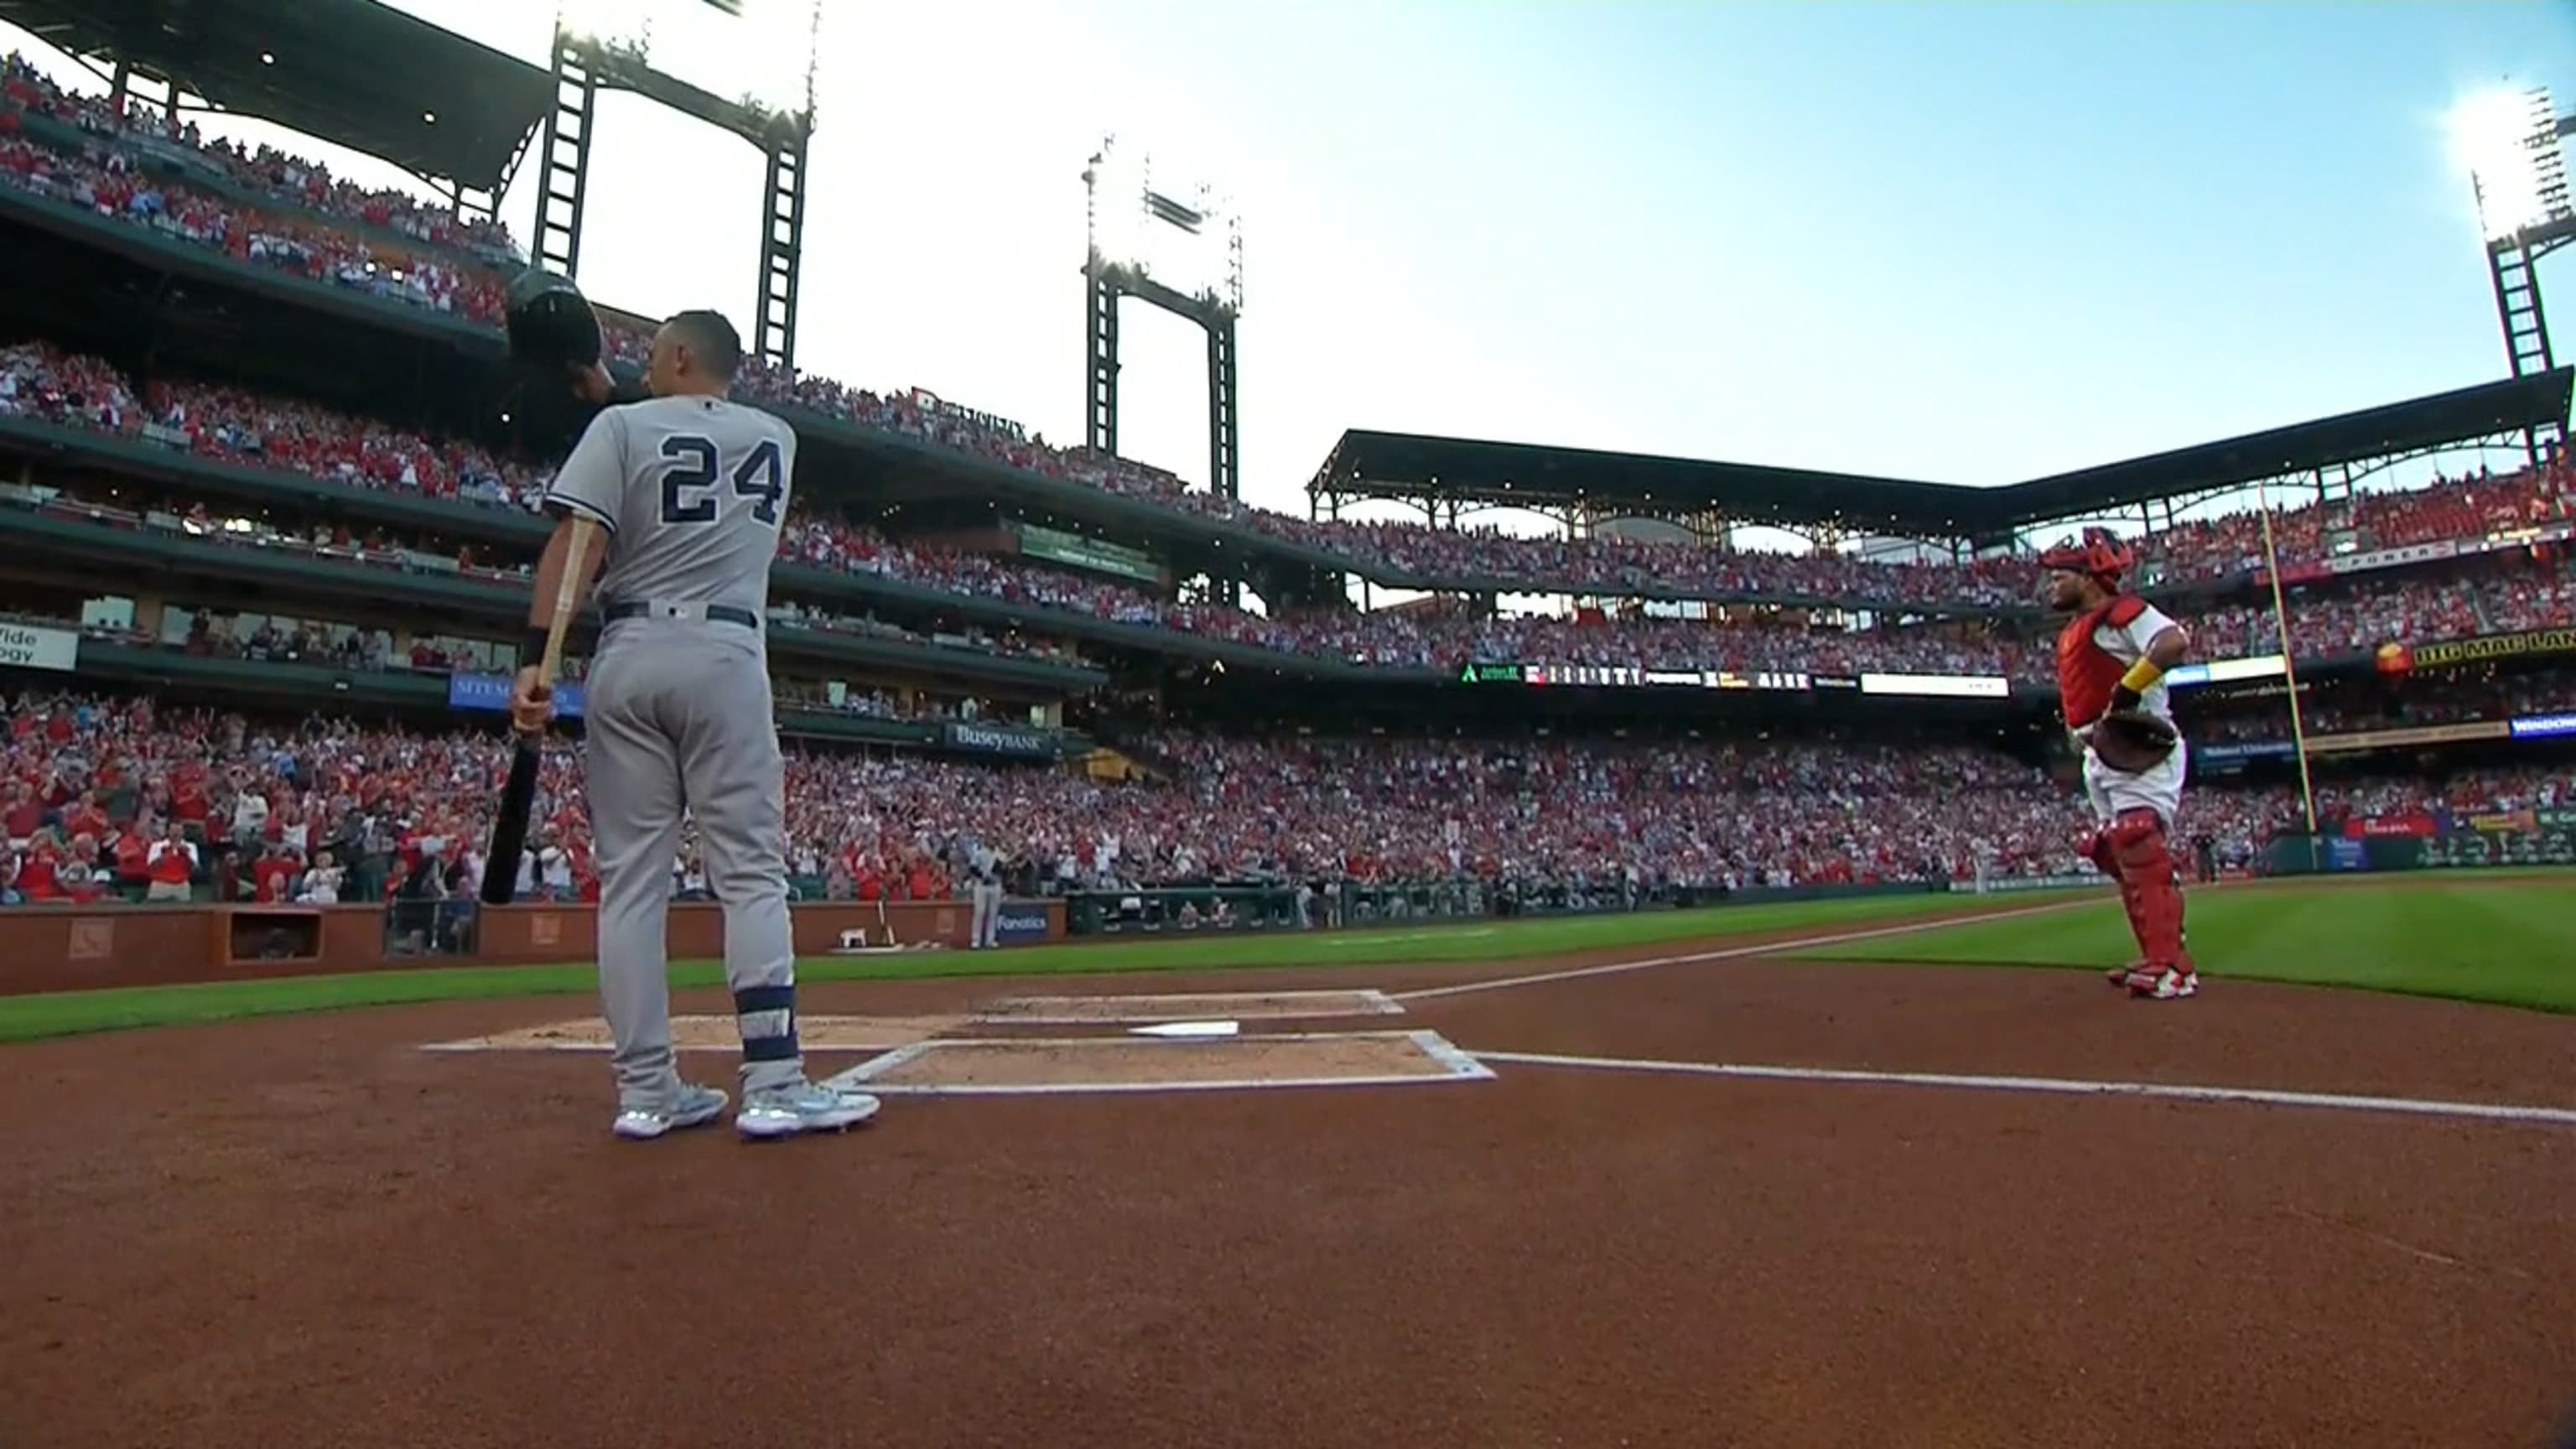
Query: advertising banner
{"points": [[1938, 686], [491, 693], [2491, 646], [2241, 750], [932, 403], [2345, 854], [1594, 676], [1020, 924], [1627, 676], [2374, 827], [1076, 551], [2389, 558], [2503, 822], [32, 646], [2227, 671], [2544, 726], [2451, 734], [2000, 884], [1018, 741]]}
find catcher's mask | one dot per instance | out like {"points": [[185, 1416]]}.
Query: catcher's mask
{"points": [[2098, 554]]}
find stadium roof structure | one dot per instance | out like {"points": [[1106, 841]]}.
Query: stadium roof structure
{"points": [[1414, 466], [354, 72]]}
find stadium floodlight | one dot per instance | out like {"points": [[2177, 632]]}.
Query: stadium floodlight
{"points": [[1180, 249], [1182, 236], [2507, 141], [605, 21]]}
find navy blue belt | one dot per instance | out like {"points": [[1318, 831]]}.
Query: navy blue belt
{"points": [[712, 613]]}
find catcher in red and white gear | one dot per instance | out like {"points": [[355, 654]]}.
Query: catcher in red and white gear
{"points": [[2111, 661]]}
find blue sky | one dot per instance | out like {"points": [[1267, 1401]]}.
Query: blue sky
{"points": [[1965, 242]]}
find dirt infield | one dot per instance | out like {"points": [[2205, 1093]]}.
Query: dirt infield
{"points": [[309, 1230]]}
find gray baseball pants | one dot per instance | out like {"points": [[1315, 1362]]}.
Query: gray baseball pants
{"points": [[984, 919], [679, 721]]}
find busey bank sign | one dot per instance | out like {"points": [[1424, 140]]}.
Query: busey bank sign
{"points": [[27, 646], [1001, 739]]}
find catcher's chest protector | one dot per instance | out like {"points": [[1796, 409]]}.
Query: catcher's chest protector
{"points": [[2086, 672]]}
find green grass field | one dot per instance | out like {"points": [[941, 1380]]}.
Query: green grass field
{"points": [[2500, 938], [27, 1018], [2491, 937]]}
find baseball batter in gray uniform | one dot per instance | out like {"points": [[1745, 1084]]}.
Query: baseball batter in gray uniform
{"points": [[690, 489], [984, 896]]}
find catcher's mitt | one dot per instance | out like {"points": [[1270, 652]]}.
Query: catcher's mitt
{"points": [[2131, 740]]}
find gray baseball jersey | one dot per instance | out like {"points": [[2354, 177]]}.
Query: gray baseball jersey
{"points": [[692, 490], [678, 718]]}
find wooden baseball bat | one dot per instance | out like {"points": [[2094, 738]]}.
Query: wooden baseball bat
{"points": [[519, 796]]}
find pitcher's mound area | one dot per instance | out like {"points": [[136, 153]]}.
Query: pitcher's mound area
{"points": [[1189, 1006], [965, 1067]]}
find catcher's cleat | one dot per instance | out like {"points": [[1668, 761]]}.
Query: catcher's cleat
{"points": [[2162, 983]]}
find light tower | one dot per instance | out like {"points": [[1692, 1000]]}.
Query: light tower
{"points": [[2509, 141], [584, 64], [1122, 212]]}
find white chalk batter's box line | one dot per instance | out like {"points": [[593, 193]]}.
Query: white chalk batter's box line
{"points": [[1369, 1002], [603, 1048], [2060, 1086], [1456, 1066]]}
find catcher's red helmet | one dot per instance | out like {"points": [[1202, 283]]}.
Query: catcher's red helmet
{"points": [[2098, 553]]}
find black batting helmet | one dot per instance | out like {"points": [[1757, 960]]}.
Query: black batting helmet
{"points": [[551, 324]]}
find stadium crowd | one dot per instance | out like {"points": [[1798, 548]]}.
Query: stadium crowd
{"points": [[262, 170], [224, 423], [103, 795], [2343, 710], [457, 272]]}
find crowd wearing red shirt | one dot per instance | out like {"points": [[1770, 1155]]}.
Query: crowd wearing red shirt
{"points": [[39, 381], [452, 271], [2345, 710], [115, 794], [264, 169]]}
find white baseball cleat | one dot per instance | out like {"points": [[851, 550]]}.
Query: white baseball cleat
{"points": [[773, 1112], [2166, 985], [690, 1106]]}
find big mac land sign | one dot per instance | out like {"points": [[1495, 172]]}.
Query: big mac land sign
{"points": [[2400, 658]]}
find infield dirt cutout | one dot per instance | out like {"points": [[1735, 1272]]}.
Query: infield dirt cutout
{"points": [[927, 1055]]}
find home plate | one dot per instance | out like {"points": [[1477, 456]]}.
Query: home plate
{"points": [[1192, 1029]]}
